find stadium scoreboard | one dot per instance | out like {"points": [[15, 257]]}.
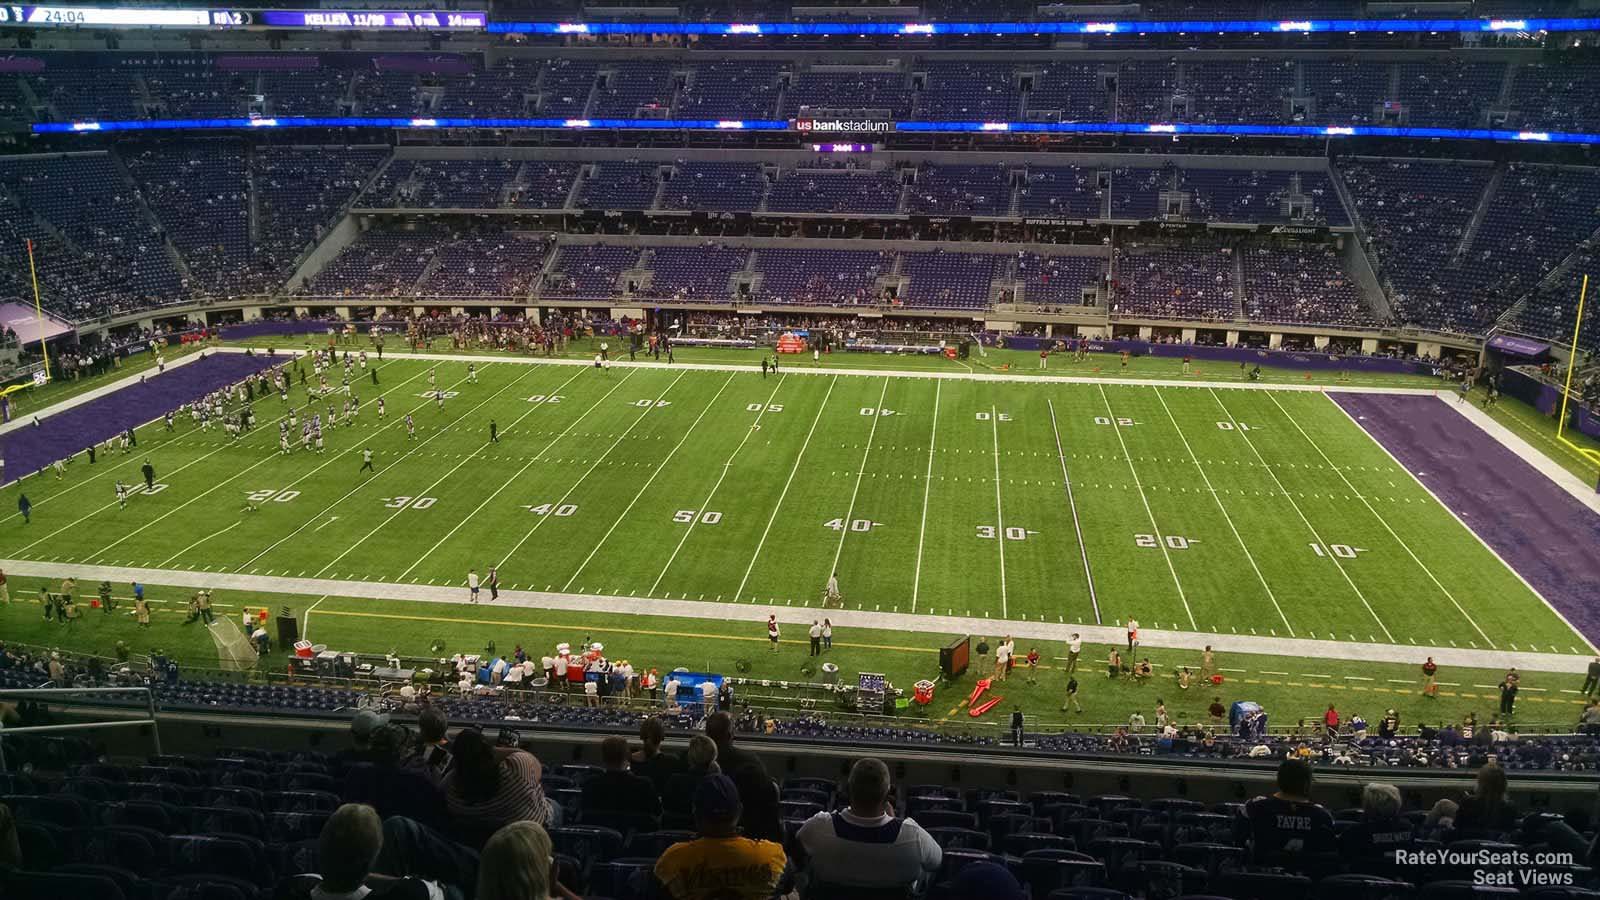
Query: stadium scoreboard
{"points": [[308, 19]]}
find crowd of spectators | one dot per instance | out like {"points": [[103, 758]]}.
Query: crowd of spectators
{"points": [[1176, 281], [1431, 91]]}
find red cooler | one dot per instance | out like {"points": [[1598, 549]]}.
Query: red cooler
{"points": [[922, 692]]}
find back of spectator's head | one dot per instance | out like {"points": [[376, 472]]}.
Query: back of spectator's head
{"points": [[1492, 783], [716, 806], [516, 864], [392, 742], [1294, 777], [868, 785], [348, 846], [1380, 801], [652, 733], [432, 723], [477, 770], [702, 752], [719, 727], [614, 753], [365, 724]]}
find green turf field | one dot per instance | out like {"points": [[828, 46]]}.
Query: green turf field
{"points": [[1218, 511]]}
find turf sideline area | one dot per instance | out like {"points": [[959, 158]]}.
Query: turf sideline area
{"points": [[799, 617]]}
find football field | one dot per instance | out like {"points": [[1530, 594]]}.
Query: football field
{"points": [[1191, 508]]}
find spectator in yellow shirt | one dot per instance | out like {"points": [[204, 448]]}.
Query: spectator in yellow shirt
{"points": [[720, 864]]}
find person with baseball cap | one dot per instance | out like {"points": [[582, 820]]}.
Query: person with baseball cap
{"points": [[365, 724], [720, 864]]}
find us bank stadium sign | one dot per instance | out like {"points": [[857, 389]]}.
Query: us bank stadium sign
{"points": [[843, 126]]}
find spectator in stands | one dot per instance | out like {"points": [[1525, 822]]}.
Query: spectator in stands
{"points": [[1381, 831], [348, 851], [700, 763], [519, 864], [1287, 823], [617, 790], [649, 760], [757, 791], [865, 845], [721, 864], [362, 728], [489, 787], [1486, 808], [432, 753]]}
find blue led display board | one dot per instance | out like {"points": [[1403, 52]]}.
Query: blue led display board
{"points": [[1135, 128], [1281, 26]]}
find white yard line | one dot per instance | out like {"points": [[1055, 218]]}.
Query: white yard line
{"points": [[525, 466], [1224, 510], [700, 510], [921, 623], [595, 465], [1301, 513], [1465, 409], [1384, 522], [850, 511], [448, 472], [264, 429], [1160, 537], [226, 481], [999, 511], [911, 373], [1072, 504], [181, 553], [109, 469], [927, 486], [785, 493], [353, 491]]}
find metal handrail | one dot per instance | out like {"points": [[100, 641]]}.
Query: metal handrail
{"points": [[58, 692]]}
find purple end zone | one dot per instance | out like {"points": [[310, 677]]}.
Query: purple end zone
{"points": [[1542, 531], [28, 449]]}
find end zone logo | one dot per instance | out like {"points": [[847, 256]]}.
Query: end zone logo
{"points": [[852, 126]]}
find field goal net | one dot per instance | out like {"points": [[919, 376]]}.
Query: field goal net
{"points": [[235, 653]]}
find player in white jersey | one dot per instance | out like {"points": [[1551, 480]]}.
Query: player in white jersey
{"points": [[318, 438], [122, 496], [283, 442], [411, 428], [438, 397], [472, 373], [381, 411]]}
